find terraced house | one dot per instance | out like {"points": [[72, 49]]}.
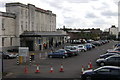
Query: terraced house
{"points": [[28, 26]]}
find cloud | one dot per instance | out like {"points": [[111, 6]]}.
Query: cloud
{"points": [[86, 13], [100, 22], [90, 15], [109, 13]]}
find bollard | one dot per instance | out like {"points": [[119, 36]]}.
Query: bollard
{"points": [[17, 60], [30, 60], [20, 59]]}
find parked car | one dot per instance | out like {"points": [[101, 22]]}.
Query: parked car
{"points": [[82, 48], [73, 49], [117, 45], [70, 52], [96, 43], [107, 55], [112, 60], [115, 52], [7, 55], [115, 49], [88, 46], [13, 50], [61, 53], [93, 46], [102, 73]]}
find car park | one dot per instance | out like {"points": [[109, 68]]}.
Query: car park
{"points": [[61, 53], [112, 60], [102, 73]]}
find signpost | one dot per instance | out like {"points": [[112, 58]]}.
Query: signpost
{"points": [[23, 53]]}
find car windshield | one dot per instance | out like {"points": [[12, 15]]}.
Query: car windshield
{"points": [[68, 47], [60, 51], [80, 46]]}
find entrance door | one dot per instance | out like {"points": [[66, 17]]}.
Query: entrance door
{"points": [[30, 45]]}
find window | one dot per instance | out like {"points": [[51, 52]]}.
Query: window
{"points": [[104, 70], [26, 14], [26, 26], [2, 41], [11, 41], [22, 25], [22, 13], [3, 21]]}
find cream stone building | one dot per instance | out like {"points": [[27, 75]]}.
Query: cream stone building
{"points": [[114, 31], [28, 26]]}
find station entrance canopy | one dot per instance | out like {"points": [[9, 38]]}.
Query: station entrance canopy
{"points": [[41, 34]]}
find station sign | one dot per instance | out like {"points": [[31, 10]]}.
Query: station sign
{"points": [[23, 51]]}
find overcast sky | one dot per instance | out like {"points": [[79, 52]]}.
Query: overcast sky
{"points": [[78, 13]]}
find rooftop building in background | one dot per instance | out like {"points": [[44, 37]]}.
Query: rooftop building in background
{"points": [[114, 31]]}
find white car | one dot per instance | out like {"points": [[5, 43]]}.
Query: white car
{"points": [[82, 48]]}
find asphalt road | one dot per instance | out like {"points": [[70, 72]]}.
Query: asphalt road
{"points": [[72, 65]]}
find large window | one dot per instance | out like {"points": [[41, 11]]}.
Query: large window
{"points": [[11, 41], [3, 21], [3, 41], [22, 25]]}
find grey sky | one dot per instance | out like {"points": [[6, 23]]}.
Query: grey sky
{"points": [[77, 13]]}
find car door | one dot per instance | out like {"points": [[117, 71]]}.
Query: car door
{"points": [[111, 61], [115, 74], [117, 61], [102, 74], [56, 54]]}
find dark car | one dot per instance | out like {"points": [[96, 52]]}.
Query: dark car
{"points": [[7, 55], [117, 45], [107, 55], [70, 52], [112, 60], [96, 43], [114, 50], [61, 53], [102, 73]]}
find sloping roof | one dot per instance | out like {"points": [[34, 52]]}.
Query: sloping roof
{"points": [[41, 34]]}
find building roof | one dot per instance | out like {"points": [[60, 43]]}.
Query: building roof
{"points": [[27, 6], [41, 34]]}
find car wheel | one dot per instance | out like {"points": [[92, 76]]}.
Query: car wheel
{"points": [[50, 56], [63, 57], [88, 78], [7, 57], [84, 50], [102, 64]]}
